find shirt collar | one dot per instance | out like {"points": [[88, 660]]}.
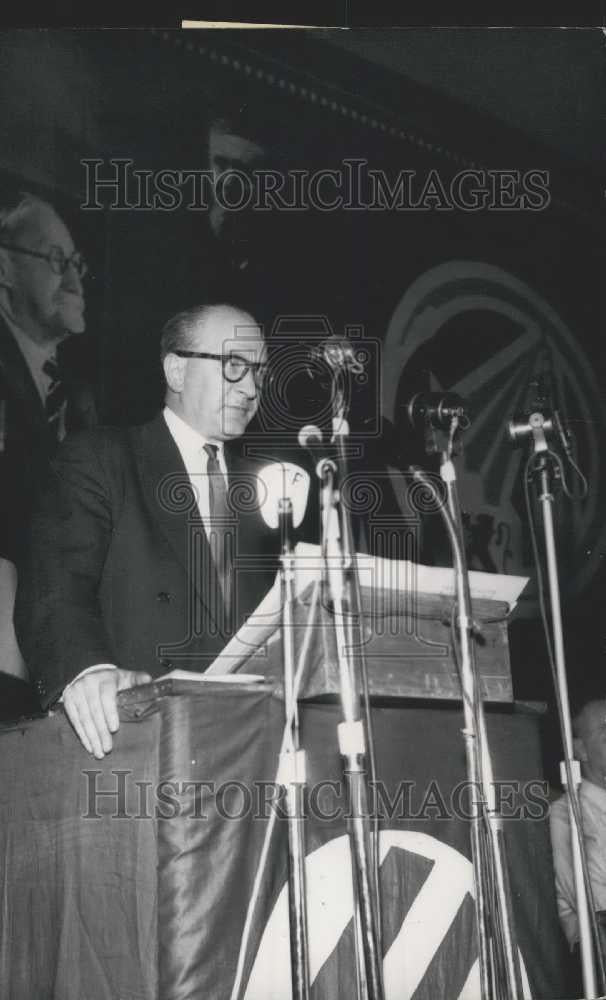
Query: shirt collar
{"points": [[187, 439]]}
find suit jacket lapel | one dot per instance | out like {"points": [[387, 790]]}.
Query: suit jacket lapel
{"points": [[172, 504], [81, 409], [19, 382], [81, 412]]}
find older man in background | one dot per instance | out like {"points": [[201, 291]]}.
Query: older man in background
{"points": [[41, 305], [590, 749]]}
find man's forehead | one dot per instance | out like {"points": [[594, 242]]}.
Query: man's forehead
{"points": [[222, 332], [43, 226]]}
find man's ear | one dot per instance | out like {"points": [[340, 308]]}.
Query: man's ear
{"points": [[174, 371], [580, 751]]}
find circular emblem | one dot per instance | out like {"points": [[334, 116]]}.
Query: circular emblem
{"points": [[429, 937], [476, 330]]}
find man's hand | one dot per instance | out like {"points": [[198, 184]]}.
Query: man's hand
{"points": [[90, 705], [10, 656]]}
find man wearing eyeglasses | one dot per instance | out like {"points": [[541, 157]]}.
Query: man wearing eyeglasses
{"points": [[41, 305], [147, 551]]}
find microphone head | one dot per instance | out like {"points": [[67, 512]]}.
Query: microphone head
{"points": [[437, 409], [337, 354], [309, 436], [279, 480]]}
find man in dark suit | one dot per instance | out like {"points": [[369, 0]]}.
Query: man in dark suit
{"points": [[140, 560], [41, 307]]}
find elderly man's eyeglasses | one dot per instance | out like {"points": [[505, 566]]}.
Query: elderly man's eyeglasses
{"points": [[235, 367], [57, 260]]}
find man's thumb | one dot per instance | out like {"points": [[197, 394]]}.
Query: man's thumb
{"points": [[132, 678], [140, 678]]}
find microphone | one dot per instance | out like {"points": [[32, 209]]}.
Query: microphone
{"points": [[277, 481], [438, 409], [310, 437], [522, 425], [338, 354], [525, 425]]}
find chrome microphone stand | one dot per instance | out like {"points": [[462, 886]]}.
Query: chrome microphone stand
{"points": [[353, 735], [352, 738], [538, 425], [506, 965], [292, 768], [500, 973]]}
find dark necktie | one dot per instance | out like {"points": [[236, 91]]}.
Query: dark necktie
{"points": [[56, 397], [221, 533]]}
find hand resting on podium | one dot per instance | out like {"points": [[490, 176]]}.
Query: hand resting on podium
{"points": [[90, 703]]}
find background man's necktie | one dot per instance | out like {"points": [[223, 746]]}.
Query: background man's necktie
{"points": [[221, 530], [56, 398]]}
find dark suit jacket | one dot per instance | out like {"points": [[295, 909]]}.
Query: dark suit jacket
{"points": [[118, 568], [26, 445]]}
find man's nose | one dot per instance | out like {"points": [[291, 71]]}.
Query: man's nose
{"points": [[72, 281], [248, 386]]}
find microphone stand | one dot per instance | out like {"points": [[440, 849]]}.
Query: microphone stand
{"points": [[509, 960], [569, 768], [292, 769], [340, 562], [500, 974], [340, 428]]}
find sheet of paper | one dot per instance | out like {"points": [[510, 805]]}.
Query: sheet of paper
{"points": [[390, 574], [387, 574], [192, 675]]}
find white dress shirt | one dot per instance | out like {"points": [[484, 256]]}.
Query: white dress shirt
{"points": [[593, 811], [191, 446]]}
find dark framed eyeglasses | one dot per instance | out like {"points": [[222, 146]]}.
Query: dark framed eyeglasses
{"points": [[235, 366], [55, 257]]}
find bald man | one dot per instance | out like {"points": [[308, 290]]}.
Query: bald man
{"points": [[146, 552], [590, 749]]}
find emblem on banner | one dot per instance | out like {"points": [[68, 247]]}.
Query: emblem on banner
{"points": [[473, 329], [429, 932]]}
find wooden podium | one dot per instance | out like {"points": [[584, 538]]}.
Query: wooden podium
{"points": [[409, 647]]}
